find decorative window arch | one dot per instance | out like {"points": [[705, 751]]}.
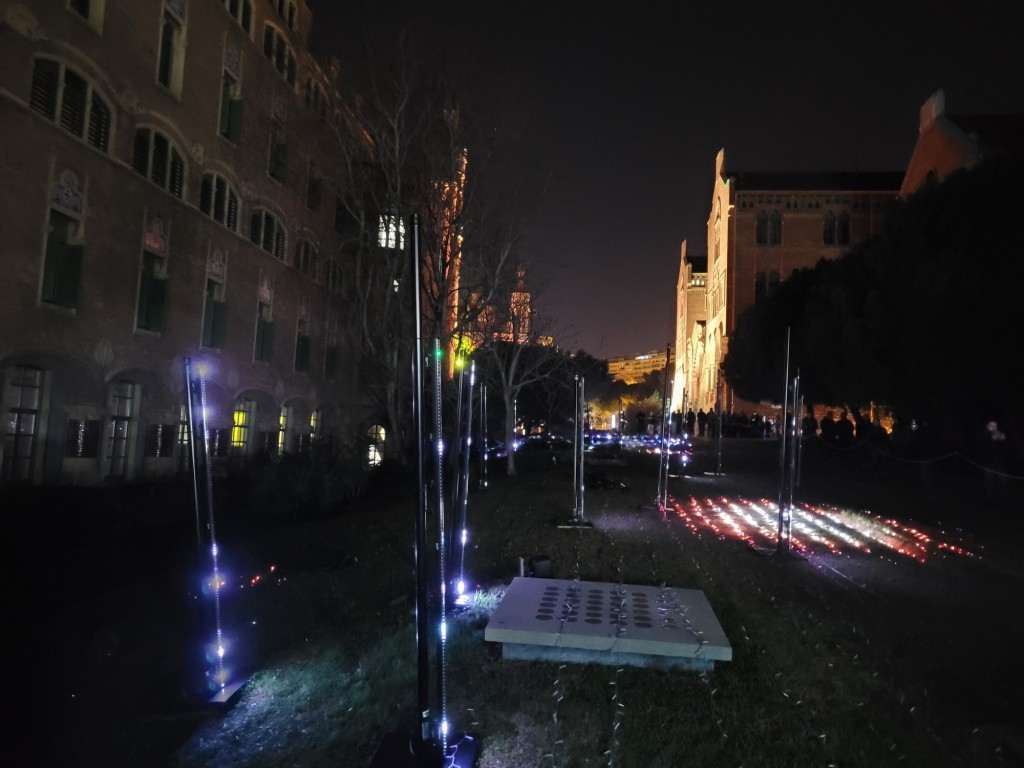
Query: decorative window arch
{"points": [[266, 231], [157, 158], [218, 200], [65, 97]]}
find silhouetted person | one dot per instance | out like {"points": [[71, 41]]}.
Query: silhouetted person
{"points": [[844, 431], [691, 420], [702, 421], [828, 428]]}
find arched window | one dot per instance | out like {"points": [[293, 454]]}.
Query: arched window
{"points": [[158, 159], [828, 229], [277, 50], [761, 228], [843, 229], [66, 98], [305, 258], [218, 200], [375, 447], [775, 228], [266, 232]]}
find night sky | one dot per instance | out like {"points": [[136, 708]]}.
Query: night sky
{"points": [[613, 114]]}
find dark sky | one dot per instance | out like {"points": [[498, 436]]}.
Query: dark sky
{"points": [[616, 115]]}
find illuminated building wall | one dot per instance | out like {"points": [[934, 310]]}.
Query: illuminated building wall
{"points": [[633, 369], [167, 193], [690, 310], [765, 225]]}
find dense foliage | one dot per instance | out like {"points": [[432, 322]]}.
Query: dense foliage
{"points": [[922, 316]]}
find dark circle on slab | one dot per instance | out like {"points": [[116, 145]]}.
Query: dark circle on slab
{"points": [[544, 616], [643, 624], [592, 621]]}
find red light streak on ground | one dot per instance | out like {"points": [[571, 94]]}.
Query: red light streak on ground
{"points": [[814, 530]]}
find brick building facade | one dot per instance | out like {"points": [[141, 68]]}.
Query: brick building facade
{"points": [[168, 193], [762, 227]]}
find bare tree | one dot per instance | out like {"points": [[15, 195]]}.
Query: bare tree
{"points": [[405, 151], [515, 352]]}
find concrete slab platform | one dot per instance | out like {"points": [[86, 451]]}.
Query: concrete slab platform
{"points": [[605, 623]]}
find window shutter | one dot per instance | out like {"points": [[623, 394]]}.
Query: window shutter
{"points": [[157, 302], [44, 88], [219, 193], [208, 320], [268, 42], [279, 243], [206, 195], [232, 218], [177, 181], [219, 329], [158, 171], [140, 152], [72, 108], [226, 89], [99, 124], [235, 120], [69, 274]]}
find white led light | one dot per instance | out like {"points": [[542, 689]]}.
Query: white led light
{"points": [[444, 727], [465, 536], [461, 587], [444, 630], [213, 549]]}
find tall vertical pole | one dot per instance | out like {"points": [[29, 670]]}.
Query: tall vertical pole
{"points": [[793, 450], [484, 442], [719, 394], [464, 485], [782, 447], [425, 746], [581, 481], [663, 456], [442, 576], [576, 449]]}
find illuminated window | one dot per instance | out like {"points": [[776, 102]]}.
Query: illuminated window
{"points": [[266, 232], [218, 200], [23, 400], [314, 422], [62, 265], [263, 350], [158, 159], [119, 432], [66, 98], [375, 448], [391, 232], [242, 425], [171, 53], [285, 421]]}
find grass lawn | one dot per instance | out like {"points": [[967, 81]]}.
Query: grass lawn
{"points": [[858, 660]]}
